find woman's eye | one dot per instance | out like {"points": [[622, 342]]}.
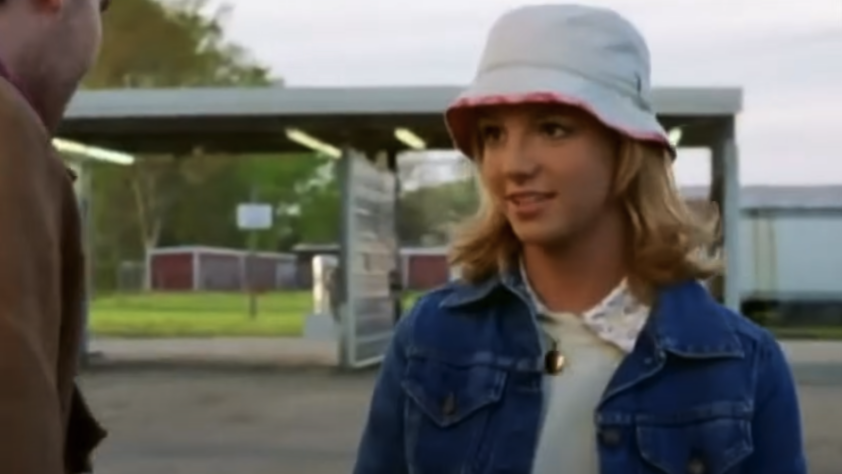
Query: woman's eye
{"points": [[490, 133], [554, 130]]}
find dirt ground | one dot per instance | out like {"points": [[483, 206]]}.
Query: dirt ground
{"points": [[200, 421]]}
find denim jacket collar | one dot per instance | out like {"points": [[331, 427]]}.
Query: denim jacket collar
{"points": [[685, 319]]}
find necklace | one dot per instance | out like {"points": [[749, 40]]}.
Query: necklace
{"points": [[554, 360]]}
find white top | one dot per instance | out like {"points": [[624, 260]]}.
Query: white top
{"points": [[567, 443], [593, 345]]}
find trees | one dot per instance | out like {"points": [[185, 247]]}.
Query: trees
{"points": [[174, 44], [184, 199], [427, 215], [306, 202]]}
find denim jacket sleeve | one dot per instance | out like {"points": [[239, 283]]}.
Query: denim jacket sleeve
{"points": [[381, 450], [778, 441]]}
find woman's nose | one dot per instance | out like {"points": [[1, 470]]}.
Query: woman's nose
{"points": [[519, 161]]}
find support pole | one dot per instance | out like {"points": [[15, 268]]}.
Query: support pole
{"points": [[344, 272], [726, 177]]}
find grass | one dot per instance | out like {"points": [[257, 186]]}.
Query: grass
{"points": [[828, 333], [169, 315], [199, 315]]}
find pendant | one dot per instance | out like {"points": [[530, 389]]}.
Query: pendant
{"points": [[553, 362]]}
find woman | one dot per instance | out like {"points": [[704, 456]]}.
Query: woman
{"points": [[578, 340]]}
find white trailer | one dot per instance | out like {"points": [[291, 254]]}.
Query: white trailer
{"points": [[791, 256], [791, 253]]}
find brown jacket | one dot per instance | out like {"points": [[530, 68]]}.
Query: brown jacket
{"points": [[42, 277]]}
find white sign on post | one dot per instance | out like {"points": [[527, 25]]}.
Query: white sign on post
{"points": [[254, 216]]}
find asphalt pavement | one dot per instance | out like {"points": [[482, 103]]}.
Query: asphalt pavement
{"points": [[181, 414]]}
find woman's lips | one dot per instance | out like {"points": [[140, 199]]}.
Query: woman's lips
{"points": [[527, 205]]}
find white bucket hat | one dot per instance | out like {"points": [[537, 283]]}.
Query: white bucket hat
{"points": [[587, 57]]}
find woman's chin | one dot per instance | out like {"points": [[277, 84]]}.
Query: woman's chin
{"points": [[540, 234]]}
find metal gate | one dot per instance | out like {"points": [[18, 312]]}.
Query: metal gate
{"points": [[367, 259]]}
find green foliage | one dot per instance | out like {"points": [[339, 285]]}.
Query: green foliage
{"points": [[427, 215], [191, 200], [206, 214], [174, 44]]}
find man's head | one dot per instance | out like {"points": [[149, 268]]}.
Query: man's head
{"points": [[49, 45]]}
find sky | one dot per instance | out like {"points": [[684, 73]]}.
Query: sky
{"points": [[785, 54]]}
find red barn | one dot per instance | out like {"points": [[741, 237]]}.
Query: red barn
{"points": [[424, 268], [196, 268], [214, 269]]}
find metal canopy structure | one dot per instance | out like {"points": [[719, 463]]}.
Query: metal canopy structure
{"points": [[364, 118], [361, 125]]}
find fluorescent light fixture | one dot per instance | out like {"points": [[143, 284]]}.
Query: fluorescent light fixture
{"points": [[674, 136], [92, 152], [410, 139], [313, 143]]}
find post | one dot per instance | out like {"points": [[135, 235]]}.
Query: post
{"points": [[252, 251], [716, 196], [252, 217], [725, 160], [344, 173]]}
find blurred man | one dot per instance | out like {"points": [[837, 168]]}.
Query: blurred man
{"points": [[46, 46]]}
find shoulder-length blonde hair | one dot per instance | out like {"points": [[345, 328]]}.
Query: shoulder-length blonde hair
{"points": [[670, 242]]}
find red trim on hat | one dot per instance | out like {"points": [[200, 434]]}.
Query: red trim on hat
{"points": [[537, 98]]}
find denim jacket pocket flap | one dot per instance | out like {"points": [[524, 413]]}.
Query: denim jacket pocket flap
{"points": [[712, 446], [449, 394]]}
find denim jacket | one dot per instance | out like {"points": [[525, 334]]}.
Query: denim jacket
{"points": [[704, 391]]}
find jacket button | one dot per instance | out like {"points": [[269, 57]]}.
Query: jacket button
{"points": [[696, 466], [448, 407], [610, 437]]}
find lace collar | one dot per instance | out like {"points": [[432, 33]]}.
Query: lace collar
{"points": [[617, 319]]}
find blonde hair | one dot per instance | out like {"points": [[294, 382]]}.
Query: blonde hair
{"points": [[670, 242]]}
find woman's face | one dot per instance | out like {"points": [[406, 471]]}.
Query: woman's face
{"points": [[548, 168]]}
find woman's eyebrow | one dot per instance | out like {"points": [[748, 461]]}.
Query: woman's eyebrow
{"points": [[485, 117], [555, 113]]}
